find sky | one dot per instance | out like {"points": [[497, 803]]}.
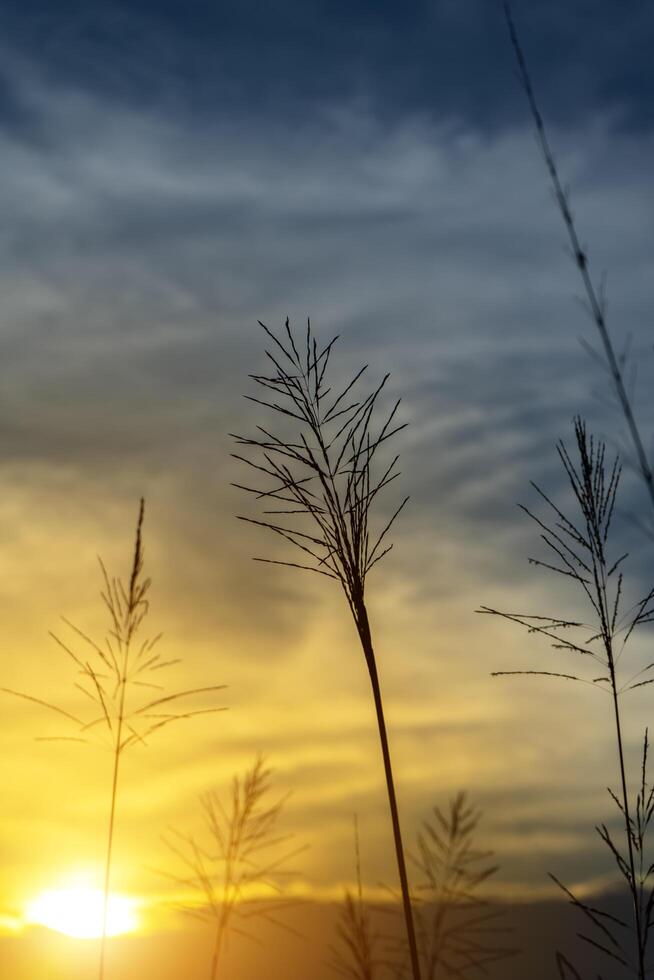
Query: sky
{"points": [[171, 174]]}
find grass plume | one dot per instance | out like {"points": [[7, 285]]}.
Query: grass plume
{"points": [[318, 486], [241, 853], [578, 548], [120, 679], [457, 928]]}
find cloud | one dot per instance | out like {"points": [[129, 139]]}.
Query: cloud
{"points": [[244, 59], [140, 248]]}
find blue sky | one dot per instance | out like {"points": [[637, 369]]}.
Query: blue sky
{"points": [[249, 58]]}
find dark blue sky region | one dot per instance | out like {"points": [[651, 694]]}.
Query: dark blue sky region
{"points": [[447, 58]]}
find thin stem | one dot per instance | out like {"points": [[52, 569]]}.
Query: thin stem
{"points": [[220, 931], [227, 898], [124, 636], [627, 820], [583, 545], [366, 642], [328, 473], [600, 567], [106, 672], [110, 834], [595, 300]]}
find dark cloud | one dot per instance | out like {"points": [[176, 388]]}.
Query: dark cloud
{"points": [[448, 59]]}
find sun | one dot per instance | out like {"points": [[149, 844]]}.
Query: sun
{"points": [[78, 912]]}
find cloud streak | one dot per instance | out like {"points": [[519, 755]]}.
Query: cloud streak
{"points": [[139, 249]]}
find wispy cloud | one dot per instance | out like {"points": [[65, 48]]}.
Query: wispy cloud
{"points": [[138, 250]]}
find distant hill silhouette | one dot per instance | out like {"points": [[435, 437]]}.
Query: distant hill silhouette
{"points": [[539, 928]]}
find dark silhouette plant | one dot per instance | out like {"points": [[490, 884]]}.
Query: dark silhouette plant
{"points": [[355, 953], [578, 549], [240, 852], [457, 927], [319, 481], [609, 931], [115, 676], [613, 361]]}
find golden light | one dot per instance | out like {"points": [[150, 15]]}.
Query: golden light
{"points": [[78, 912]]}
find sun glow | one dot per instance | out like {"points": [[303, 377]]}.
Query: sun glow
{"points": [[78, 912]]}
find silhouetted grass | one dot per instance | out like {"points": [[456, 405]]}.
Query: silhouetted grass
{"points": [[631, 863], [608, 357], [318, 486], [355, 954], [608, 932], [115, 676], [458, 929], [241, 852], [578, 548]]}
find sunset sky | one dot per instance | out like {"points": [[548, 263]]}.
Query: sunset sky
{"points": [[170, 174]]}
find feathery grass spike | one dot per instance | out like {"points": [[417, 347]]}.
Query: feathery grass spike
{"points": [[114, 676], [581, 546], [240, 856], [323, 467], [458, 929]]}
